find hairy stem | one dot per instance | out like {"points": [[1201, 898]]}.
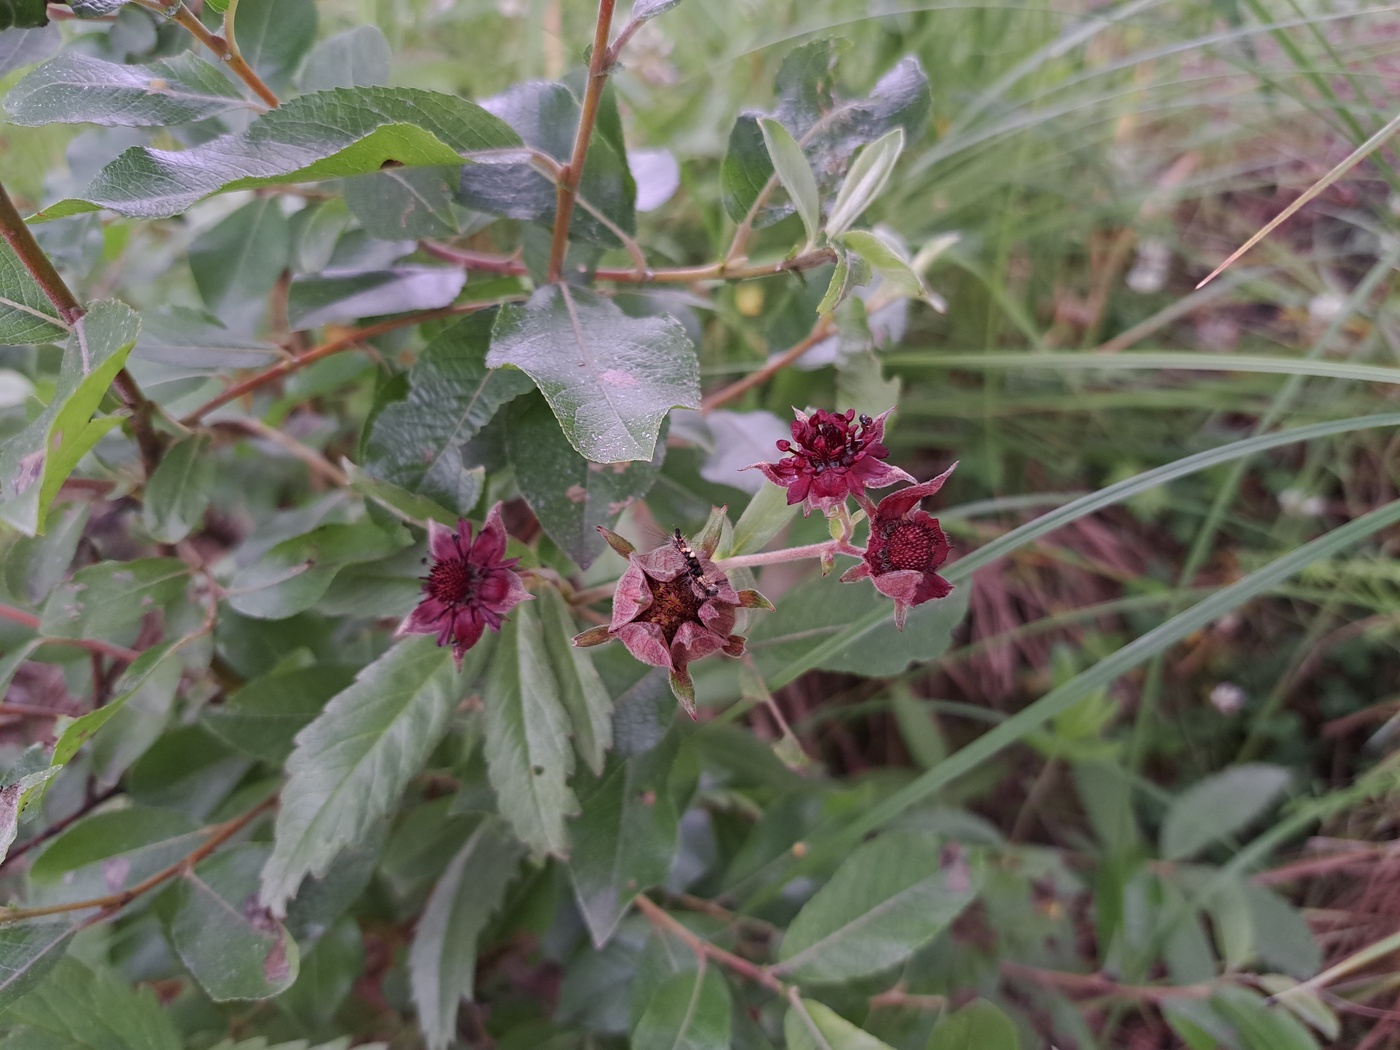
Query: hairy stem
{"points": [[811, 550], [567, 189]]}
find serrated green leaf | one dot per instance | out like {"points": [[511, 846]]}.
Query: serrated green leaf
{"points": [[810, 1025], [610, 378], [528, 757], [274, 36], [688, 1011], [321, 299], [357, 57], [442, 959], [325, 135], [350, 765], [980, 1025], [111, 595], [794, 173], [179, 490], [582, 691], [570, 496], [28, 951], [1219, 806], [234, 949], [1261, 1026], [261, 718], [79, 88], [237, 262], [867, 177], [417, 443], [95, 1010], [35, 462], [891, 897], [625, 837], [292, 576]]}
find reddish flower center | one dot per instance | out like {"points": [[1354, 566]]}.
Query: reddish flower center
{"points": [[453, 582], [829, 441], [673, 602], [906, 545]]}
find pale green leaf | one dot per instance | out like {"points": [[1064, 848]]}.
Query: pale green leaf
{"points": [[351, 764], [688, 1011], [867, 177], [95, 1010], [980, 1025], [28, 951], [26, 315], [886, 258], [795, 174], [1261, 1026], [891, 897], [810, 1025], [35, 462], [1219, 806], [234, 949], [238, 262], [357, 57]]}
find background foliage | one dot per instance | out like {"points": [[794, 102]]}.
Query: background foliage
{"points": [[1131, 785]]}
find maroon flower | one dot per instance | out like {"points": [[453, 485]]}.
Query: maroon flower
{"points": [[673, 606], [830, 457], [470, 586], [906, 546]]}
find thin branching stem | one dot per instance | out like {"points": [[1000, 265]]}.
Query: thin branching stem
{"points": [[345, 341], [222, 49], [821, 330], [111, 903], [567, 189], [662, 920], [92, 645]]}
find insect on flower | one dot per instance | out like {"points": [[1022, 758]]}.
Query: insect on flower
{"points": [[703, 587]]}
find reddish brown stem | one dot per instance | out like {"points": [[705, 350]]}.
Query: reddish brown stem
{"points": [[821, 330], [114, 902], [334, 346], [662, 920], [217, 44], [567, 189], [92, 645], [1096, 984]]}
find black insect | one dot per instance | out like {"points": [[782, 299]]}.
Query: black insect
{"points": [[698, 579], [866, 421]]}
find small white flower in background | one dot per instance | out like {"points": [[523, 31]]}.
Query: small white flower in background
{"points": [[1149, 272], [1324, 307], [1300, 505], [512, 8], [1227, 698]]}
